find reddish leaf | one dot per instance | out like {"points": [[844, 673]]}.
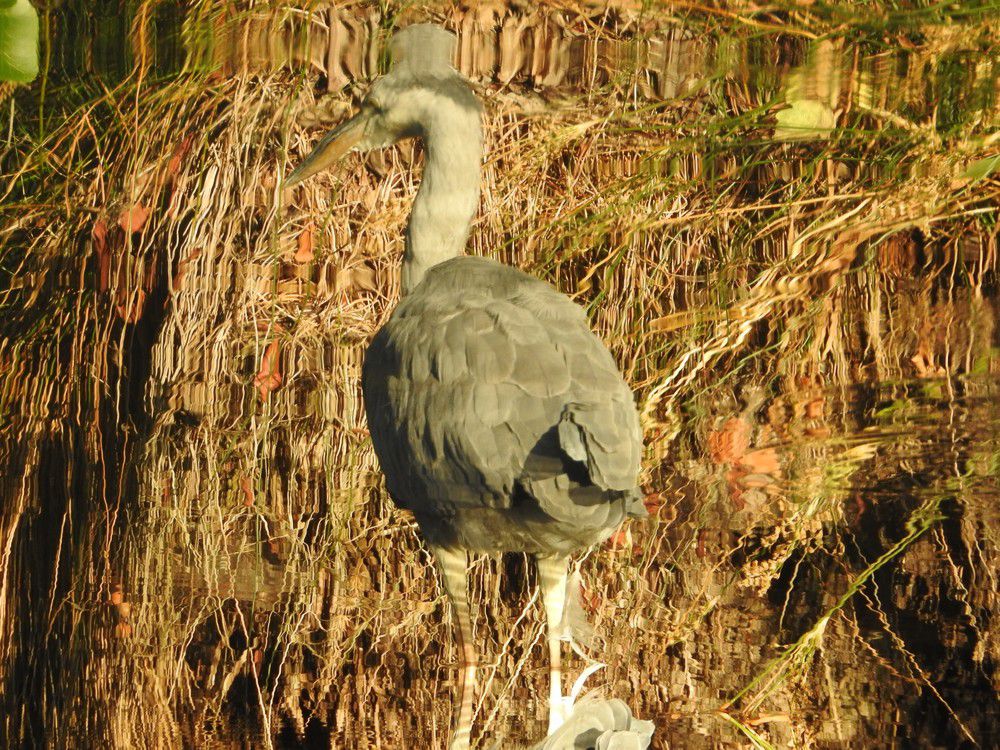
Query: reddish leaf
{"points": [[177, 158], [762, 461], [701, 548], [132, 219], [247, 491], [730, 443], [653, 502], [268, 377], [305, 252], [619, 539], [100, 232]]}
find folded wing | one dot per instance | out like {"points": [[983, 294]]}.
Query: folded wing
{"points": [[487, 391]]}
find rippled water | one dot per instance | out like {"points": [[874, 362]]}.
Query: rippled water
{"points": [[782, 222]]}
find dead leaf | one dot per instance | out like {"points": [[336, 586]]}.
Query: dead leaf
{"points": [[132, 219], [591, 601], [266, 326], [762, 461], [182, 269], [730, 443], [268, 377], [289, 290], [701, 548], [653, 502], [247, 488], [177, 158], [619, 539], [100, 232], [358, 277], [305, 252]]}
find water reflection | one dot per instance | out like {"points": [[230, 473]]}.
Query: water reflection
{"points": [[778, 237], [548, 50], [812, 94]]}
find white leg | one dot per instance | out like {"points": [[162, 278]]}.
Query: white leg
{"points": [[552, 576], [453, 566]]}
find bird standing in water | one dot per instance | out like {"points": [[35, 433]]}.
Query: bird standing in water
{"points": [[499, 419]]}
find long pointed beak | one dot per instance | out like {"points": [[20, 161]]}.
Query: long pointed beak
{"points": [[339, 141]]}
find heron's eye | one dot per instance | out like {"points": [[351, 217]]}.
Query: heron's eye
{"points": [[375, 105]]}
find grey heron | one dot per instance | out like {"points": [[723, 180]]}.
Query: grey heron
{"points": [[498, 417]]}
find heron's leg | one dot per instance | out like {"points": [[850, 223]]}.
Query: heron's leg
{"points": [[552, 577], [453, 565]]}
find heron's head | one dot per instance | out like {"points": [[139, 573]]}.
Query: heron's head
{"points": [[421, 93]]}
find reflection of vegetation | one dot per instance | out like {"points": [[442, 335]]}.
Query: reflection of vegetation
{"points": [[812, 94], [810, 321], [799, 655]]}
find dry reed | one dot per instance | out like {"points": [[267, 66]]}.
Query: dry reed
{"points": [[218, 561]]}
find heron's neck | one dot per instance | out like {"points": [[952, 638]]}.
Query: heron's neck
{"points": [[448, 196]]}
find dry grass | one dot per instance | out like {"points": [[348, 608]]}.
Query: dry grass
{"points": [[196, 544]]}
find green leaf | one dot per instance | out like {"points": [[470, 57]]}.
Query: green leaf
{"points": [[18, 42], [983, 167]]}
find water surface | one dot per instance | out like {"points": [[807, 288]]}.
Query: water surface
{"points": [[784, 225]]}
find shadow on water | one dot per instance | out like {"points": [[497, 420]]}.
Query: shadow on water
{"points": [[784, 224]]}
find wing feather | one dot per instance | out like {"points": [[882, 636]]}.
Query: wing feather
{"points": [[473, 397]]}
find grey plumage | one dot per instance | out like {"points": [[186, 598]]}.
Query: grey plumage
{"points": [[498, 417]]}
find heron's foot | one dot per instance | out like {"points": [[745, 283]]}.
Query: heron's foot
{"points": [[558, 713]]}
